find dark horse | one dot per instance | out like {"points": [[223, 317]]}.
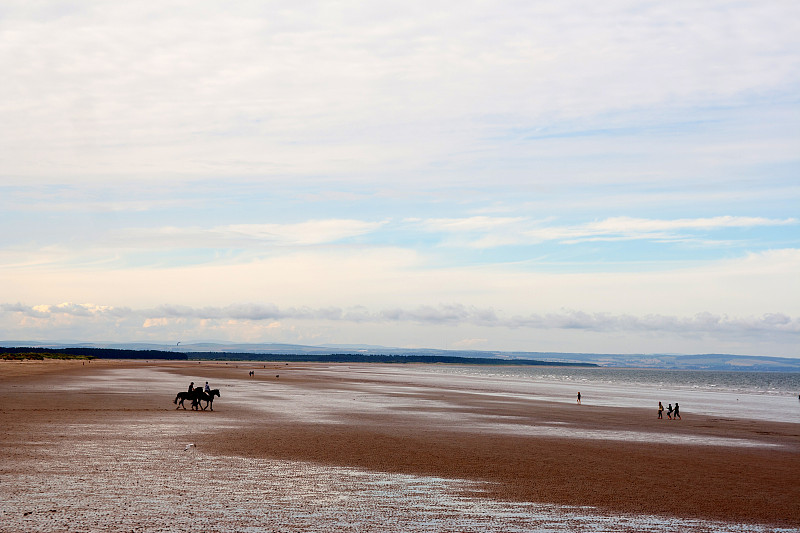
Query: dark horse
{"points": [[207, 397], [182, 396], [197, 395]]}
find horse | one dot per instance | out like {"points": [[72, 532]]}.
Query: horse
{"points": [[207, 397], [185, 395], [197, 395]]}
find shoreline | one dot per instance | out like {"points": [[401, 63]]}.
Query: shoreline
{"points": [[356, 416]]}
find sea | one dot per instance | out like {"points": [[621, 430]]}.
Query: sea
{"points": [[772, 396]]}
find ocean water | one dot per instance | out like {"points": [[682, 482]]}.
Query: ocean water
{"points": [[758, 395]]}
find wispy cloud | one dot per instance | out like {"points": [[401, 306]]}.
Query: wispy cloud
{"points": [[309, 233], [305, 233], [487, 232], [178, 90], [117, 241]]}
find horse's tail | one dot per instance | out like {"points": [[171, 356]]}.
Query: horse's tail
{"points": [[175, 401]]}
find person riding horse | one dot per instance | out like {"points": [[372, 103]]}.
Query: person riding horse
{"points": [[193, 394], [197, 395]]}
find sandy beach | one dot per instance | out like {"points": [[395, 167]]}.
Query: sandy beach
{"points": [[100, 446]]}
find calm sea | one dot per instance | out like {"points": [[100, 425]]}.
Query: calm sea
{"points": [[758, 395]]}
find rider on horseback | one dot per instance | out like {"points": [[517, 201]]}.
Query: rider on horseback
{"points": [[197, 394]]}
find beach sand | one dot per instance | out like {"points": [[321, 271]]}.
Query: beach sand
{"points": [[117, 419]]}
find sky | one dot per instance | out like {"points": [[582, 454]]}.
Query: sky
{"points": [[575, 176]]}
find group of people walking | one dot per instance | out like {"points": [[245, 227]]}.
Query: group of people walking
{"points": [[672, 414]]}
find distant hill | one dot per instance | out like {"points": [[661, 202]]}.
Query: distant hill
{"points": [[362, 352], [92, 352]]}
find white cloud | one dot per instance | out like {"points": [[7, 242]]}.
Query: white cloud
{"points": [[627, 225], [479, 232], [305, 233], [99, 243], [14, 316], [488, 232], [313, 89]]}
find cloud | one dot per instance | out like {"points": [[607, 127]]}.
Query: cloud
{"points": [[454, 314], [701, 323], [628, 225], [489, 232], [303, 234], [315, 89]]}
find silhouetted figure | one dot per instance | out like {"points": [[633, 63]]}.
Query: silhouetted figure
{"points": [[660, 411], [207, 389], [677, 413], [579, 397], [669, 411], [191, 386]]}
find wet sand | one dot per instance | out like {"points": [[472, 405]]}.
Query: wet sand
{"points": [[367, 418]]}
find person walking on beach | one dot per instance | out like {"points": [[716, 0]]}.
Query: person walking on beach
{"points": [[669, 411], [660, 410], [676, 412], [579, 397]]}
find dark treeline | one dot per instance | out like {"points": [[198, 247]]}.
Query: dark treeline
{"points": [[40, 356], [100, 353], [110, 353]]}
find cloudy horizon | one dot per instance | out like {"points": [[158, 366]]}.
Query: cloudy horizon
{"points": [[580, 177]]}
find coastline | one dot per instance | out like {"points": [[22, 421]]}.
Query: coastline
{"points": [[529, 450]]}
